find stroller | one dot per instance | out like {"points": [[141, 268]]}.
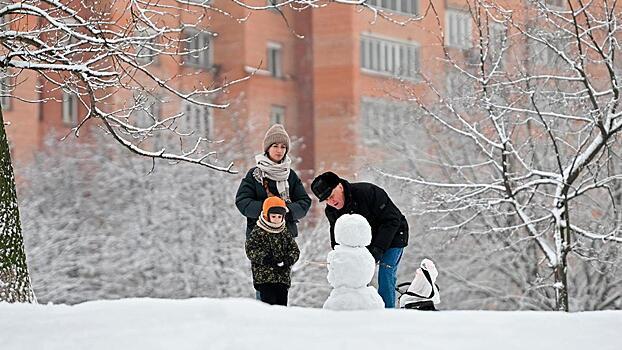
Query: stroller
{"points": [[422, 292]]}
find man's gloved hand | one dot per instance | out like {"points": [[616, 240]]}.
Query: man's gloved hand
{"points": [[375, 252]]}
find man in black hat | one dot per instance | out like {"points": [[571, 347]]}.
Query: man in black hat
{"points": [[389, 228]]}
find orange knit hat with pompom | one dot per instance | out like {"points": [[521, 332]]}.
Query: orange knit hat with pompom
{"points": [[274, 205]]}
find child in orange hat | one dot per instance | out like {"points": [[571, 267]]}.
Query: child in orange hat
{"points": [[272, 251]]}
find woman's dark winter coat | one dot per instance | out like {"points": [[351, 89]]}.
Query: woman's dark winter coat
{"points": [[272, 256], [389, 228], [251, 194]]}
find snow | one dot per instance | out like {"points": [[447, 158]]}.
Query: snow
{"points": [[348, 299], [248, 324], [351, 267], [352, 230]]}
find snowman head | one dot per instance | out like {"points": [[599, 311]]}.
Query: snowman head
{"points": [[352, 230]]}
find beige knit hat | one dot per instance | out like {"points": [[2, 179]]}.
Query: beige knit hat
{"points": [[276, 134]]}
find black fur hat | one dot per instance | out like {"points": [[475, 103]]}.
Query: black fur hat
{"points": [[323, 185]]}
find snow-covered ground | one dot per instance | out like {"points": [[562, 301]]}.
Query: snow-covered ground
{"points": [[240, 324]]}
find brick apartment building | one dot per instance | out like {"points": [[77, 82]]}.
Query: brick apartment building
{"points": [[327, 87]]}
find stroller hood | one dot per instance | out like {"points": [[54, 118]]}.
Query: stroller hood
{"points": [[423, 287]]}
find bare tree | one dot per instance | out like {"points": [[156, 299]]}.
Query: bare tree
{"points": [[96, 54], [96, 227], [528, 151]]}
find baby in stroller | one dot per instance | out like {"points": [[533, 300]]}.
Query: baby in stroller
{"points": [[423, 292]]}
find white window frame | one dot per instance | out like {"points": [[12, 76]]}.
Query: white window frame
{"points": [[274, 53], [389, 57], [406, 7], [277, 115], [200, 49], [70, 109], [458, 29]]}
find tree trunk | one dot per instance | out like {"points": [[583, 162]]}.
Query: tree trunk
{"points": [[561, 270], [561, 285], [14, 279]]}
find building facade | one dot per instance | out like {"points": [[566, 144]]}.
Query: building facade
{"points": [[334, 76]]}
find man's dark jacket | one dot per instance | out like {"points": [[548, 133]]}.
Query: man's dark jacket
{"points": [[251, 194], [389, 228]]}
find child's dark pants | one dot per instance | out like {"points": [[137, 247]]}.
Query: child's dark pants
{"points": [[273, 293]]}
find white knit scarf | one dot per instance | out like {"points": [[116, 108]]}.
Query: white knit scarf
{"points": [[279, 172], [270, 227]]}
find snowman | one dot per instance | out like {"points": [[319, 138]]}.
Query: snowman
{"points": [[351, 267]]}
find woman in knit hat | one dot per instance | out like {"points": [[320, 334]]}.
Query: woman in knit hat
{"points": [[273, 176], [272, 252]]}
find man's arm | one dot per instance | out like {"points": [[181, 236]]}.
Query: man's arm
{"points": [[387, 214], [332, 218]]}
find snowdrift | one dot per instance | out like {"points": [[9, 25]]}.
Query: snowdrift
{"points": [[239, 324]]}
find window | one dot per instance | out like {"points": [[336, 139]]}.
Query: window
{"points": [[273, 3], [70, 109], [458, 29], [544, 55], [63, 39], [383, 119], [541, 54], [200, 51], [556, 4], [148, 110], [410, 7], [146, 47], [147, 113], [496, 32], [197, 120], [616, 62], [389, 57], [453, 83], [459, 88], [274, 59], [277, 115], [4, 19], [6, 86]]}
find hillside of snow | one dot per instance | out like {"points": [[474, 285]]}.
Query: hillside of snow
{"points": [[240, 324]]}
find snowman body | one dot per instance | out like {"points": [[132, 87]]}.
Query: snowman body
{"points": [[351, 267]]}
